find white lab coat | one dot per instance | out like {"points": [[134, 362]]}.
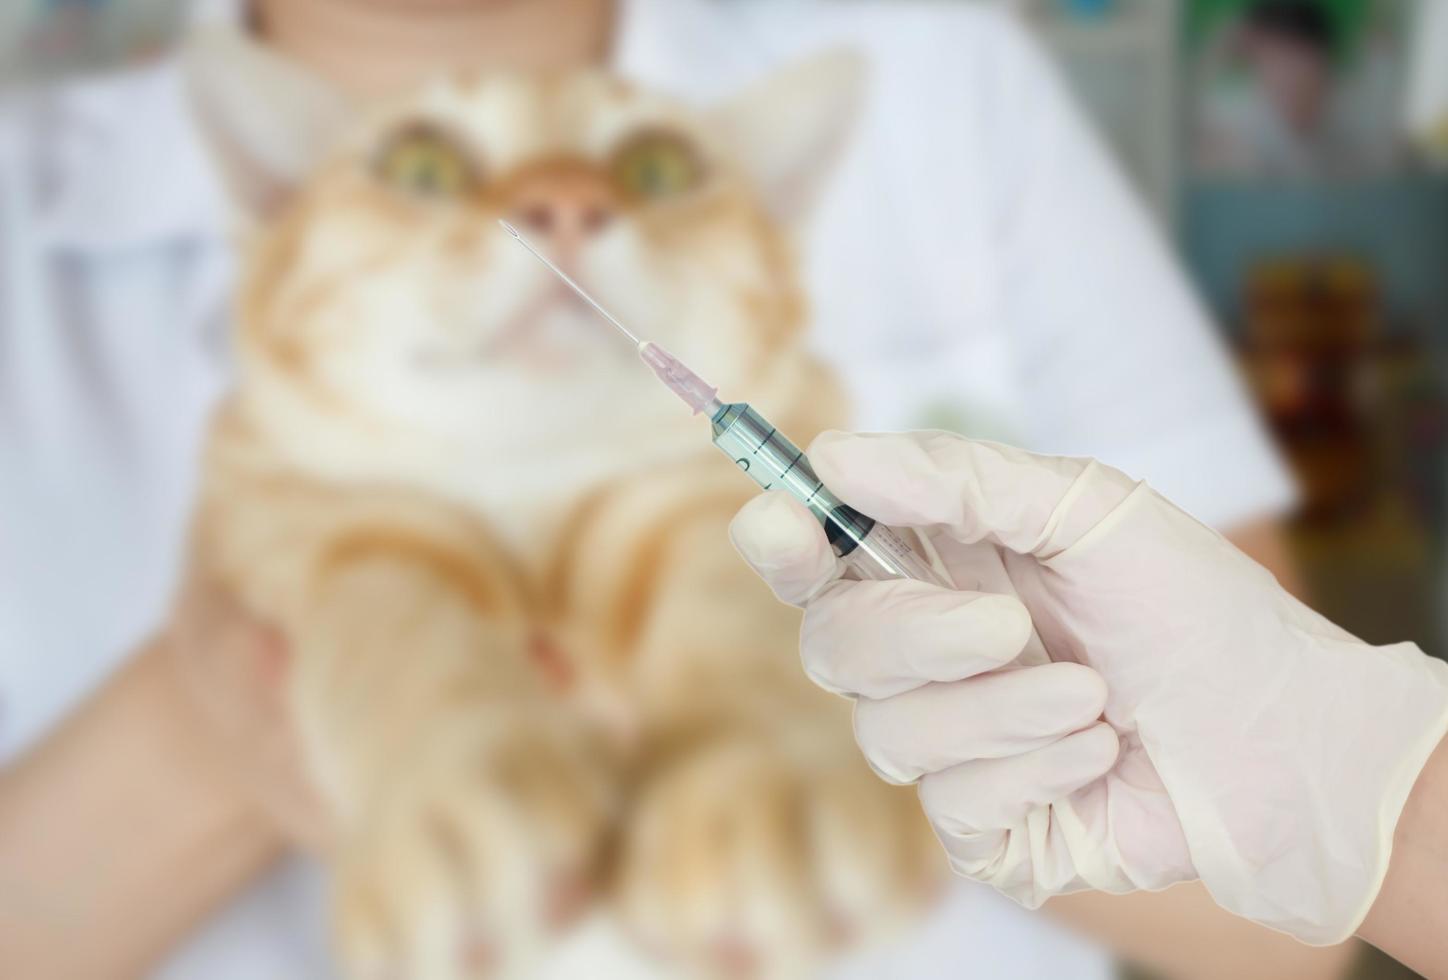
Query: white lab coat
{"points": [[975, 257]]}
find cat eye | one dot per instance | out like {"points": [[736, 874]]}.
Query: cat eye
{"points": [[657, 164], [425, 162]]}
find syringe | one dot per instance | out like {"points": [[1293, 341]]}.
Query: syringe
{"points": [[870, 550]]}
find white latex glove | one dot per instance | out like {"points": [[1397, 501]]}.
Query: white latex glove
{"points": [[1173, 714]]}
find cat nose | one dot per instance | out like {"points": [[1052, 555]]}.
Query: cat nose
{"points": [[565, 221], [566, 215]]}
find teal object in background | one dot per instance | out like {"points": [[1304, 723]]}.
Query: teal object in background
{"points": [[1087, 9], [1348, 16], [1398, 225]]}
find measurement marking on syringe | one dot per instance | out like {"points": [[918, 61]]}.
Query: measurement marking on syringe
{"points": [[765, 440]]}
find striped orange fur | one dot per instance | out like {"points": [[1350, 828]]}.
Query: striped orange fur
{"points": [[434, 466]]}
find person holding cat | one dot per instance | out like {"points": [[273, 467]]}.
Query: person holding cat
{"points": [[1022, 291]]}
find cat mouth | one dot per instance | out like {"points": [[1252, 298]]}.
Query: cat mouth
{"points": [[556, 316], [554, 330]]}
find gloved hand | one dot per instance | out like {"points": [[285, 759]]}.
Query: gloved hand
{"points": [[1172, 714]]}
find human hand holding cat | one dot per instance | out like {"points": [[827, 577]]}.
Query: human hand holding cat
{"points": [[1171, 714], [232, 663]]}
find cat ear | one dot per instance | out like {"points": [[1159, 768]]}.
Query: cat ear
{"points": [[266, 120], [790, 128]]}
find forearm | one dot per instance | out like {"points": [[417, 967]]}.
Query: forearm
{"points": [[120, 832], [1410, 918], [1409, 921], [1181, 933]]}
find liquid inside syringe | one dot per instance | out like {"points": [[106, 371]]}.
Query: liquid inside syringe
{"points": [[870, 550]]}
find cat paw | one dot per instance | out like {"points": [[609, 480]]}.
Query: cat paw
{"points": [[474, 855], [746, 858]]}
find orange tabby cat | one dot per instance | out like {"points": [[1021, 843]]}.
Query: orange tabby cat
{"points": [[518, 637]]}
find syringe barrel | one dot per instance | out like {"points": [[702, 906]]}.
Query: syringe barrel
{"points": [[775, 463], [757, 447]]}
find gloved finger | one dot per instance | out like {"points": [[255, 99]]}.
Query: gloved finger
{"points": [[978, 491], [973, 805], [994, 716], [784, 543], [880, 639]]}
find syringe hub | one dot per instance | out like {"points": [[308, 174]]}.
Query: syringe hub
{"points": [[697, 393]]}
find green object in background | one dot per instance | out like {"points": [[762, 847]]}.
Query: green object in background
{"points": [[959, 416], [1349, 18]]}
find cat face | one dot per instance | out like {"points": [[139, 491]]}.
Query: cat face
{"points": [[392, 287], [383, 289]]}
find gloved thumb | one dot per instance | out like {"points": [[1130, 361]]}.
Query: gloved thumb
{"points": [[785, 545], [973, 490]]}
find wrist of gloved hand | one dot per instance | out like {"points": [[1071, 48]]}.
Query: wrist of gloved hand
{"points": [[1287, 759], [1242, 738]]}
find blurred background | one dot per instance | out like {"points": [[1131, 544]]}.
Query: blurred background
{"points": [[1296, 155], [1273, 143]]}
